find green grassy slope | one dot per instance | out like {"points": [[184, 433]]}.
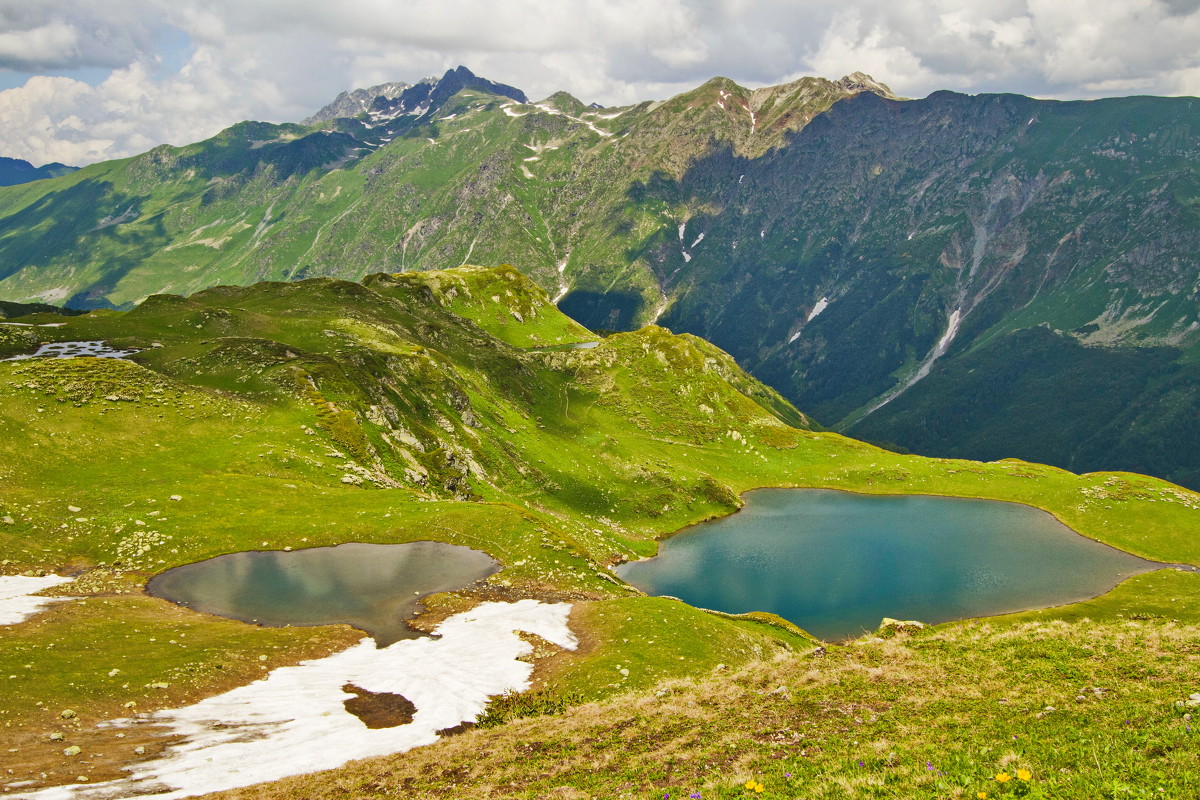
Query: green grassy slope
{"points": [[730, 213], [323, 411], [1043, 709]]}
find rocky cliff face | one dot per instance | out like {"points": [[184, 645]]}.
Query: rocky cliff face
{"points": [[359, 101]]}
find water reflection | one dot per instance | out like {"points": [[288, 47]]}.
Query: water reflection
{"points": [[373, 587], [836, 563]]}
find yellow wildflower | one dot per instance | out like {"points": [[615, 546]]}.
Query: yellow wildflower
{"points": [[750, 784], [759, 788], [1024, 774], [1003, 777], [982, 796]]}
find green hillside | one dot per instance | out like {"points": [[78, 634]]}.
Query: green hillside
{"points": [[290, 415], [848, 248]]}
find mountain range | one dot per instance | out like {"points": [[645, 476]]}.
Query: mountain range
{"points": [[986, 276], [14, 171]]}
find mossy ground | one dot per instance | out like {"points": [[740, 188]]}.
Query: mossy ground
{"points": [[298, 415]]}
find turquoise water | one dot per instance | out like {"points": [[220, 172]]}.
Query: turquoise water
{"points": [[374, 587], [836, 563]]}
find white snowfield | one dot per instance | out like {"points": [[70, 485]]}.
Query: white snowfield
{"points": [[293, 721], [16, 605]]}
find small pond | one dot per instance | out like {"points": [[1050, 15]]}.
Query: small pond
{"points": [[374, 587], [836, 563]]}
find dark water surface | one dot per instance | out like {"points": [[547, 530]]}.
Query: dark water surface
{"points": [[836, 563], [374, 587]]}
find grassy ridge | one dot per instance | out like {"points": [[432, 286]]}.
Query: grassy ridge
{"points": [[319, 412]]}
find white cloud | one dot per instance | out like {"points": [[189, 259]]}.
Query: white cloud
{"points": [[55, 43], [179, 70]]}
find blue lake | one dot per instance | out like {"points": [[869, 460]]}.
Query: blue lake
{"points": [[836, 563]]}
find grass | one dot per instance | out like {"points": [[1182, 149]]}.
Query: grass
{"points": [[320, 412], [933, 715], [113, 656]]}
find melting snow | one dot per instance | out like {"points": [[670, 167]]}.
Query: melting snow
{"points": [[508, 109], [16, 604], [682, 228], [591, 125], [820, 306], [938, 351], [948, 336], [686, 255], [74, 350], [699, 239], [658, 312], [294, 722]]}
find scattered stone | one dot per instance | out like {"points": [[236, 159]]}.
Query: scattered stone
{"points": [[112, 673], [131, 704], [57, 736], [68, 714], [73, 750], [176, 497], [819, 651], [160, 686], [8, 520], [141, 751], [1193, 701], [890, 627], [74, 509]]}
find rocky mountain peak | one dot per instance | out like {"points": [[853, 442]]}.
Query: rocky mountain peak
{"points": [[355, 102], [862, 82], [390, 100]]}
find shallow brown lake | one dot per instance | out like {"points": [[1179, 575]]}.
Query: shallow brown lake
{"points": [[374, 587]]}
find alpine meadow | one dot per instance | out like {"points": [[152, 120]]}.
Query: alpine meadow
{"points": [[551, 335]]}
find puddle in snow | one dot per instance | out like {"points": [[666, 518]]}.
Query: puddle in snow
{"points": [[97, 349], [558, 348]]}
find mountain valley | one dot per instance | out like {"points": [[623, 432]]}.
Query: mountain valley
{"points": [[856, 251], [556, 334]]}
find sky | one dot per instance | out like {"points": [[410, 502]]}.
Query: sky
{"points": [[88, 80]]}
